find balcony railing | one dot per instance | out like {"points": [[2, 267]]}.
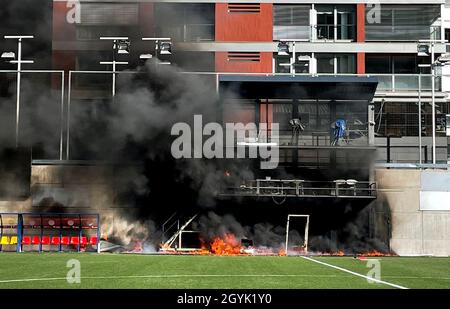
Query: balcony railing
{"points": [[295, 188], [405, 82], [333, 32], [343, 32]]}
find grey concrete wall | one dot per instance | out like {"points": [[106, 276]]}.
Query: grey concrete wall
{"points": [[414, 232]]}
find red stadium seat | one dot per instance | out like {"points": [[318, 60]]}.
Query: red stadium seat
{"points": [[35, 240], [74, 240], [65, 240], [55, 240], [83, 240], [45, 240], [94, 240], [26, 240]]}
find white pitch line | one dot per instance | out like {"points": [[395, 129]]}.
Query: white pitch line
{"points": [[355, 273], [165, 276]]}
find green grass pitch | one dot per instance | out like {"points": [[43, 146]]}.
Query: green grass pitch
{"points": [[49, 270]]}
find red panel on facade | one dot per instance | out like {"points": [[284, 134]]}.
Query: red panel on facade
{"points": [[361, 36], [63, 28], [361, 63], [146, 19], [244, 26], [264, 65], [360, 22]]}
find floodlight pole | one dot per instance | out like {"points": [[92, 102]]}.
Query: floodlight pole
{"points": [[433, 64], [114, 62], [420, 116], [293, 58], [431, 44], [433, 103], [19, 62]]}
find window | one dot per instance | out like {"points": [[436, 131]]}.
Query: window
{"points": [[109, 14], [395, 64], [336, 63], [283, 63], [346, 63], [291, 21], [325, 63], [336, 22], [325, 22], [185, 22], [345, 22], [378, 64], [404, 22]]}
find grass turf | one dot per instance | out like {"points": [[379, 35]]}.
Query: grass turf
{"points": [[48, 270]]}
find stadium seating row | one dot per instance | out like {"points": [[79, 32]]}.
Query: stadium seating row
{"points": [[5, 240], [47, 240]]}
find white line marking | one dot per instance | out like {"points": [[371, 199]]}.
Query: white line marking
{"points": [[355, 273], [166, 276]]}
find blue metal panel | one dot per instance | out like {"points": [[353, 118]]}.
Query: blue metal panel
{"points": [[19, 232]]}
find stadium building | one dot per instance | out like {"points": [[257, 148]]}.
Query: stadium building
{"points": [[354, 85]]}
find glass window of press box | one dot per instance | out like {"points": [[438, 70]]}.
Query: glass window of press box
{"points": [[317, 118]]}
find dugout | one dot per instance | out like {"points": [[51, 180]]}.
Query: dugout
{"points": [[35, 232]]}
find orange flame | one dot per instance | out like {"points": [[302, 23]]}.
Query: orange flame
{"points": [[282, 252], [227, 245], [338, 253], [374, 253]]}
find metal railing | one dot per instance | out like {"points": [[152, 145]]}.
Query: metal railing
{"points": [[335, 32], [374, 32], [304, 188]]}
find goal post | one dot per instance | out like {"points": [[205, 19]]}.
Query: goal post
{"points": [[305, 244]]}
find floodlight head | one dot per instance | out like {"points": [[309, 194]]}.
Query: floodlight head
{"points": [[444, 59], [423, 50], [123, 47], [283, 49], [303, 58], [165, 48], [19, 37], [8, 55], [146, 56]]}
